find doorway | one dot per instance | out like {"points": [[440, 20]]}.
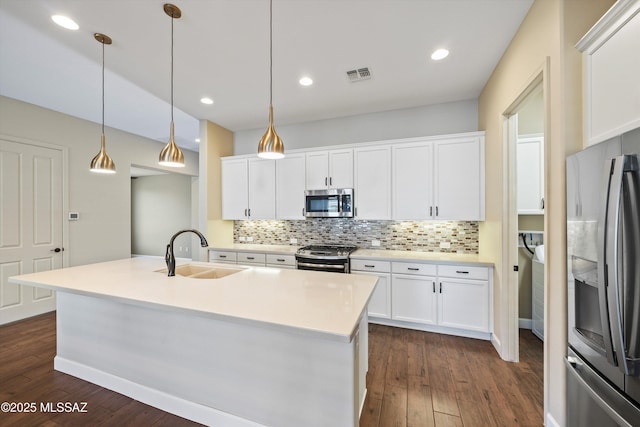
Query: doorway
{"points": [[162, 203]]}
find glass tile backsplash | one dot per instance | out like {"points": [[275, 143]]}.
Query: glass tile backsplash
{"points": [[419, 236]]}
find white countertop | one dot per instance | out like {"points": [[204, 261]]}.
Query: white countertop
{"points": [[439, 257], [248, 247], [328, 305]]}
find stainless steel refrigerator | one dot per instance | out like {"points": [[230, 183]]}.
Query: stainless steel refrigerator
{"points": [[603, 293]]}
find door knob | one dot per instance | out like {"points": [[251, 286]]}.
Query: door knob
{"points": [[57, 250]]}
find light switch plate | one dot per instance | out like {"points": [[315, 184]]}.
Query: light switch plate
{"points": [[375, 242]]}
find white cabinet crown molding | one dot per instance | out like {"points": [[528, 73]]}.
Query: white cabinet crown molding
{"points": [[619, 14]]}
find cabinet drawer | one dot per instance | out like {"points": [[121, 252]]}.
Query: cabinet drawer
{"points": [[285, 260], [463, 272], [222, 256], [414, 268], [370, 265], [251, 258]]}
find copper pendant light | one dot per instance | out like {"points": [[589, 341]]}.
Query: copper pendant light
{"points": [[102, 163], [271, 146], [171, 155]]}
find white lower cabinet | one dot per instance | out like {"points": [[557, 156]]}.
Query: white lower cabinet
{"points": [[463, 304], [228, 257], [281, 261], [380, 302], [268, 259], [413, 299], [454, 299]]}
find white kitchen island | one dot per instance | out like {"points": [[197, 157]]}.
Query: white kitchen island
{"points": [[260, 346]]}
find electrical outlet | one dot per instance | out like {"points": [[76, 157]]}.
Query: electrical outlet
{"points": [[293, 240], [242, 239], [249, 239], [375, 242], [445, 245]]}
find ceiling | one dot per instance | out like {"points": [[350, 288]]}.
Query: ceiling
{"points": [[222, 52]]}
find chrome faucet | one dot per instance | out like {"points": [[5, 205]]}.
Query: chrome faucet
{"points": [[170, 257]]}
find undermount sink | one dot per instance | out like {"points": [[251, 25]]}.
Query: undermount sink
{"points": [[195, 271]]}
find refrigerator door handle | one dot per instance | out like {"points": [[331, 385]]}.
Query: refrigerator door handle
{"points": [[614, 259], [574, 365], [602, 246]]}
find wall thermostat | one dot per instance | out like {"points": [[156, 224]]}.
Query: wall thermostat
{"points": [[74, 216]]}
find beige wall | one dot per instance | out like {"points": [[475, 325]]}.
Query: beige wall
{"points": [[549, 31], [215, 142], [103, 231]]}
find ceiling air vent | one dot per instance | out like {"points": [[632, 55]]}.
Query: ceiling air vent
{"points": [[359, 74]]}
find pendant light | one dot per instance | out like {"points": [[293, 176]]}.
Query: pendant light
{"points": [[102, 163], [271, 146], [171, 155]]}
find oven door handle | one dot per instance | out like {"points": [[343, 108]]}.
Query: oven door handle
{"points": [[314, 265]]}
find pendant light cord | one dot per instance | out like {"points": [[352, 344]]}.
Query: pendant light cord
{"points": [[172, 68], [103, 87], [270, 52]]}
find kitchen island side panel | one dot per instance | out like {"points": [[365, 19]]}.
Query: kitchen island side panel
{"points": [[208, 370]]}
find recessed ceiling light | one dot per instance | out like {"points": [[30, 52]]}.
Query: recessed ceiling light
{"points": [[207, 101], [439, 54], [65, 22], [306, 81], [197, 139]]}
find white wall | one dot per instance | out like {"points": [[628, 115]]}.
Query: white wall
{"points": [[438, 119], [160, 206], [103, 201]]}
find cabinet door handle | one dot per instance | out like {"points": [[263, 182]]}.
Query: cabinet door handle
{"points": [[325, 180], [250, 257], [434, 287], [302, 211], [330, 181], [440, 287], [279, 259], [249, 211], [413, 269], [222, 256], [436, 211], [462, 272], [370, 266], [430, 210], [245, 212]]}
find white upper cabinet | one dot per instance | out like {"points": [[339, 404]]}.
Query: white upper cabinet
{"points": [[235, 189], [329, 169], [459, 179], [290, 179], [248, 189], [372, 176], [430, 178], [530, 152], [439, 179], [612, 66], [413, 181]]}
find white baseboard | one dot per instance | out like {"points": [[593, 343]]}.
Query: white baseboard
{"points": [[158, 399], [496, 344], [525, 323], [550, 421]]}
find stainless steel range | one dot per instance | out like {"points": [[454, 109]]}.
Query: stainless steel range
{"points": [[333, 258]]}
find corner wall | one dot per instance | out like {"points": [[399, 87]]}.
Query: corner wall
{"points": [[550, 30]]}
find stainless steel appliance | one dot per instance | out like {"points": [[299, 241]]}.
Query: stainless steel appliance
{"points": [[329, 203], [603, 254], [333, 258]]}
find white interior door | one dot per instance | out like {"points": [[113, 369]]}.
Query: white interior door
{"points": [[30, 225]]}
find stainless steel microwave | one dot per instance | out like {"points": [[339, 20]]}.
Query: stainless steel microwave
{"points": [[329, 203]]}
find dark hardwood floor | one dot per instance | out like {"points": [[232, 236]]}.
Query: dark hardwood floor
{"points": [[415, 379], [425, 379]]}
